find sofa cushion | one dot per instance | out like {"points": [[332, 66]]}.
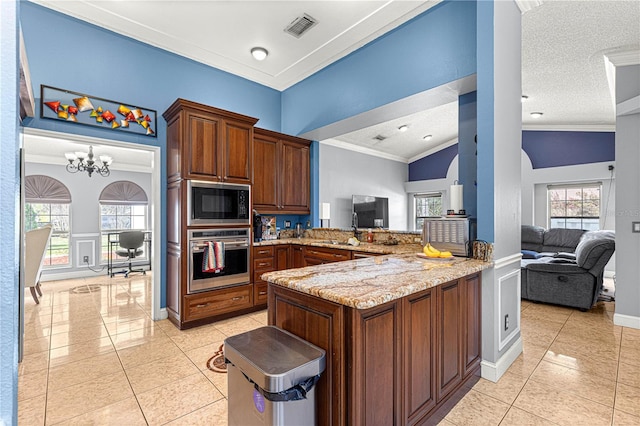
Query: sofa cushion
{"points": [[560, 239], [591, 247], [532, 237]]}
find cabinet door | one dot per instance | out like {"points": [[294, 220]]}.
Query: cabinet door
{"points": [[237, 152], [449, 297], [472, 324], [321, 323], [294, 174], [297, 257], [419, 348], [282, 258], [265, 174], [202, 147]]}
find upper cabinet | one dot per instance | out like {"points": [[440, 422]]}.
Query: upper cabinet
{"points": [[207, 143], [281, 181]]}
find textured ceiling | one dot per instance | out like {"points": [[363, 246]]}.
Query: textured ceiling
{"points": [[563, 48]]}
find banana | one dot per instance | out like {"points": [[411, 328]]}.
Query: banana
{"points": [[445, 254], [430, 251]]}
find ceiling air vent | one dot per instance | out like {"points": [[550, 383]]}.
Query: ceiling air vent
{"points": [[379, 138], [300, 25]]}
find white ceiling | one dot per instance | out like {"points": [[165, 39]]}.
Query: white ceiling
{"points": [[563, 48]]}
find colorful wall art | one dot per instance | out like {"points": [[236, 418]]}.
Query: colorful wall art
{"points": [[59, 104]]}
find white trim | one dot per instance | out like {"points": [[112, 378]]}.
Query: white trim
{"points": [[154, 200], [70, 275], [88, 235], [45, 159], [162, 315], [527, 5], [626, 320], [79, 262], [493, 371], [363, 150], [628, 107], [506, 261], [624, 58], [516, 331], [609, 274], [571, 127]]}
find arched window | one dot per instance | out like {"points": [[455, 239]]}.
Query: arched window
{"points": [[123, 205], [47, 201]]}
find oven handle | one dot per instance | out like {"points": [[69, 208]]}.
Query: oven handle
{"points": [[198, 247]]}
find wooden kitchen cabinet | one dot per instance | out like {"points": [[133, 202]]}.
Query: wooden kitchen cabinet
{"points": [[296, 256], [207, 143], [395, 363], [281, 173], [320, 255], [267, 259]]}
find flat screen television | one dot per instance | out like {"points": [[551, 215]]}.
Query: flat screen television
{"points": [[372, 212]]}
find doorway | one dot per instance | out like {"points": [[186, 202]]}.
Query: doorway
{"points": [[40, 147]]}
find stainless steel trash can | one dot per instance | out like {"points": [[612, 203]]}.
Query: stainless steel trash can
{"points": [[271, 378]]}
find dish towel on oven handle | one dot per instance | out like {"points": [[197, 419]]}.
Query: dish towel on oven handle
{"points": [[213, 257]]}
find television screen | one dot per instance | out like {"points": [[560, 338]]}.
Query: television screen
{"points": [[372, 212]]}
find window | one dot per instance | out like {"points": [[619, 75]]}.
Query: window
{"points": [[47, 201], [123, 206], [427, 205], [574, 206]]}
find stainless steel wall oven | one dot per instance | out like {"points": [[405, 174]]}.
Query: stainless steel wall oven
{"points": [[236, 258]]}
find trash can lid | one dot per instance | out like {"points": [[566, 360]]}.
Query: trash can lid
{"points": [[273, 358]]}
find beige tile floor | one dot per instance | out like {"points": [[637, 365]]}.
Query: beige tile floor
{"points": [[94, 356]]}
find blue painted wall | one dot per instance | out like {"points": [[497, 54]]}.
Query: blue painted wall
{"points": [[485, 97], [554, 149], [433, 166], [70, 54], [9, 196], [467, 150], [432, 49]]}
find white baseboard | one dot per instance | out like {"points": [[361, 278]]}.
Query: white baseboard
{"points": [[626, 321], [70, 275], [163, 315], [493, 371]]}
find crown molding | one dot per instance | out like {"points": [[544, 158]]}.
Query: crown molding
{"points": [[571, 127], [628, 107], [527, 5], [363, 150], [624, 58]]}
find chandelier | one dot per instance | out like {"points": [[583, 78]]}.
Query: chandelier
{"points": [[84, 162]]}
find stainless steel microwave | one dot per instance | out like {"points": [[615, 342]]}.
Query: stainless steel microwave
{"points": [[213, 203]]}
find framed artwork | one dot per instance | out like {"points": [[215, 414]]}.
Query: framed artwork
{"points": [[74, 107]]}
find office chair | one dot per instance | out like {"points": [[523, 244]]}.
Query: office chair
{"points": [[130, 247]]}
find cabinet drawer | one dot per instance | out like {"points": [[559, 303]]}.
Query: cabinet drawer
{"points": [[260, 252], [263, 264], [218, 302], [330, 255], [260, 293], [258, 274]]}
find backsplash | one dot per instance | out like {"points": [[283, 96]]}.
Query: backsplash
{"points": [[379, 235]]}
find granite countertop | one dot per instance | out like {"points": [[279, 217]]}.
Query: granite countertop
{"points": [[370, 282], [377, 248]]}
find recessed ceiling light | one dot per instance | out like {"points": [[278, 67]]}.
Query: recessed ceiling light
{"points": [[428, 137], [536, 114], [524, 98], [259, 53], [403, 128]]}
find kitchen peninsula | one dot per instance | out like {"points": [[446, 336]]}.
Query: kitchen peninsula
{"points": [[402, 333]]}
